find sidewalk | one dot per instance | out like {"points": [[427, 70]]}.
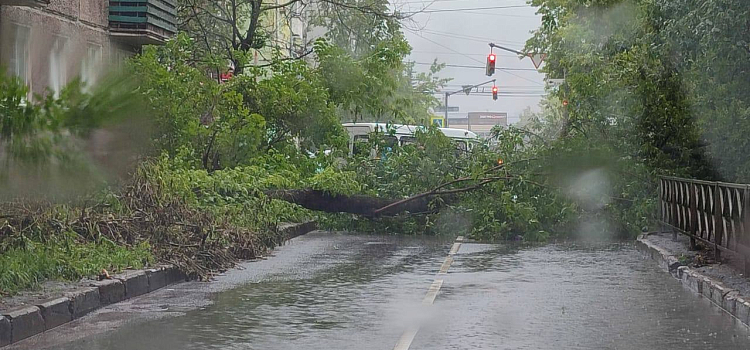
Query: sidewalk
{"points": [[723, 284]]}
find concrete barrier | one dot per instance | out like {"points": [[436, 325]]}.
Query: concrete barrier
{"points": [[83, 301], [56, 312], [157, 278], [4, 331], [25, 321], [21, 323], [716, 292], [742, 309], [110, 291], [290, 231], [135, 283]]}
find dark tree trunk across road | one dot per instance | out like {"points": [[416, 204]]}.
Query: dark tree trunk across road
{"points": [[357, 204]]}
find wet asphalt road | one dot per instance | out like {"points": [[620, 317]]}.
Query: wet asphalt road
{"points": [[335, 291]]}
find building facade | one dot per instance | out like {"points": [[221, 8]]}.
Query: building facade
{"points": [[291, 31], [480, 122], [48, 43]]}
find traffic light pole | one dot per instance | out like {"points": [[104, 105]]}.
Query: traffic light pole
{"points": [[492, 45], [465, 89], [446, 109]]}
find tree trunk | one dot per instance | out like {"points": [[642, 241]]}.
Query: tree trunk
{"points": [[357, 204]]}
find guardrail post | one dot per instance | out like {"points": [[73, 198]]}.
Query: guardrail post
{"points": [[718, 221], [675, 219], [745, 212], [692, 199]]}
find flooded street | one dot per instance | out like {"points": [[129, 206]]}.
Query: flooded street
{"points": [[330, 291]]}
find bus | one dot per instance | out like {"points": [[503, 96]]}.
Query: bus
{"points": [[398, 135]]}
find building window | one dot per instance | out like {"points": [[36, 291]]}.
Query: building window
{"points": [[19, 60], [91, 64], [57, 65]]}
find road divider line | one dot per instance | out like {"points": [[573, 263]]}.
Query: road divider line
{"points": [[446, 265], [454, 249], [406, 339], [432, 292], [404, 343]]}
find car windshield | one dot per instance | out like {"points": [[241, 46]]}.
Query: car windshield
{"points": [[374, 174]]}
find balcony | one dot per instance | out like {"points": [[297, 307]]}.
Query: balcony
{"points": [[26, 3], [142, 22]]}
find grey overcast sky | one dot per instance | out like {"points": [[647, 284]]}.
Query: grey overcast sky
{"points": [[462, 37]]}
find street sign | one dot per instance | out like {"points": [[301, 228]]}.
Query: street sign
{"points": [[537, 58], [555, 82], [467, 89], [439, 121], [441, 109]]}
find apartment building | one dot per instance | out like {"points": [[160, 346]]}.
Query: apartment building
{"points": [[291, 31], [47, 43]]}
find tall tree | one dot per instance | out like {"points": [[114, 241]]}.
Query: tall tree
{"points": [[231, 29]]}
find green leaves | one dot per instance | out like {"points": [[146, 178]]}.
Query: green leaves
{"points": [[378, 86], [336, 182]]}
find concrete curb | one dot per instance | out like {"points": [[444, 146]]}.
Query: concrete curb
{"points": [[716, 292], [23, 322], [290, 231]]}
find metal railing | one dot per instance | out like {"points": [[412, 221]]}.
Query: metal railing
{"points": [[715, 213]]}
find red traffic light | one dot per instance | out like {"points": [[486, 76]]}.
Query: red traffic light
{"points": [[494, 92], [491, 64]]}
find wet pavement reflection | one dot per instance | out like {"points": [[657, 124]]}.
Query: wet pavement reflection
{"points": [[361, 292]]}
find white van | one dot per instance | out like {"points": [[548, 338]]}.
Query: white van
{"points": [[359, 136]]}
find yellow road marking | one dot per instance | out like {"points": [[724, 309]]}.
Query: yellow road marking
{"points": [[446, 265], [405, 341], [432, 292], [454, 249], [408, 337]]}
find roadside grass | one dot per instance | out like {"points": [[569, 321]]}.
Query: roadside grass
{"points": [[62, 257], [200, 223]]}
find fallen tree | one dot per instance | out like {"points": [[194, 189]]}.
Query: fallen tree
{"points": [[369, 206], [356, 204]]}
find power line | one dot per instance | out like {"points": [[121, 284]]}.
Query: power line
{"points": [[443, 46], [503, 95], [432, 1], [453, 53], [508, 88], [502, 90], [520, 77], [472, 12], [509, 94], [477, 67], [458, 86], [469, 57], [473, 9], [428, 3], [464, 36]]}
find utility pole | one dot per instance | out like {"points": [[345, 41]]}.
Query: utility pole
{"points": [[465, 89], [446, 109]]}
